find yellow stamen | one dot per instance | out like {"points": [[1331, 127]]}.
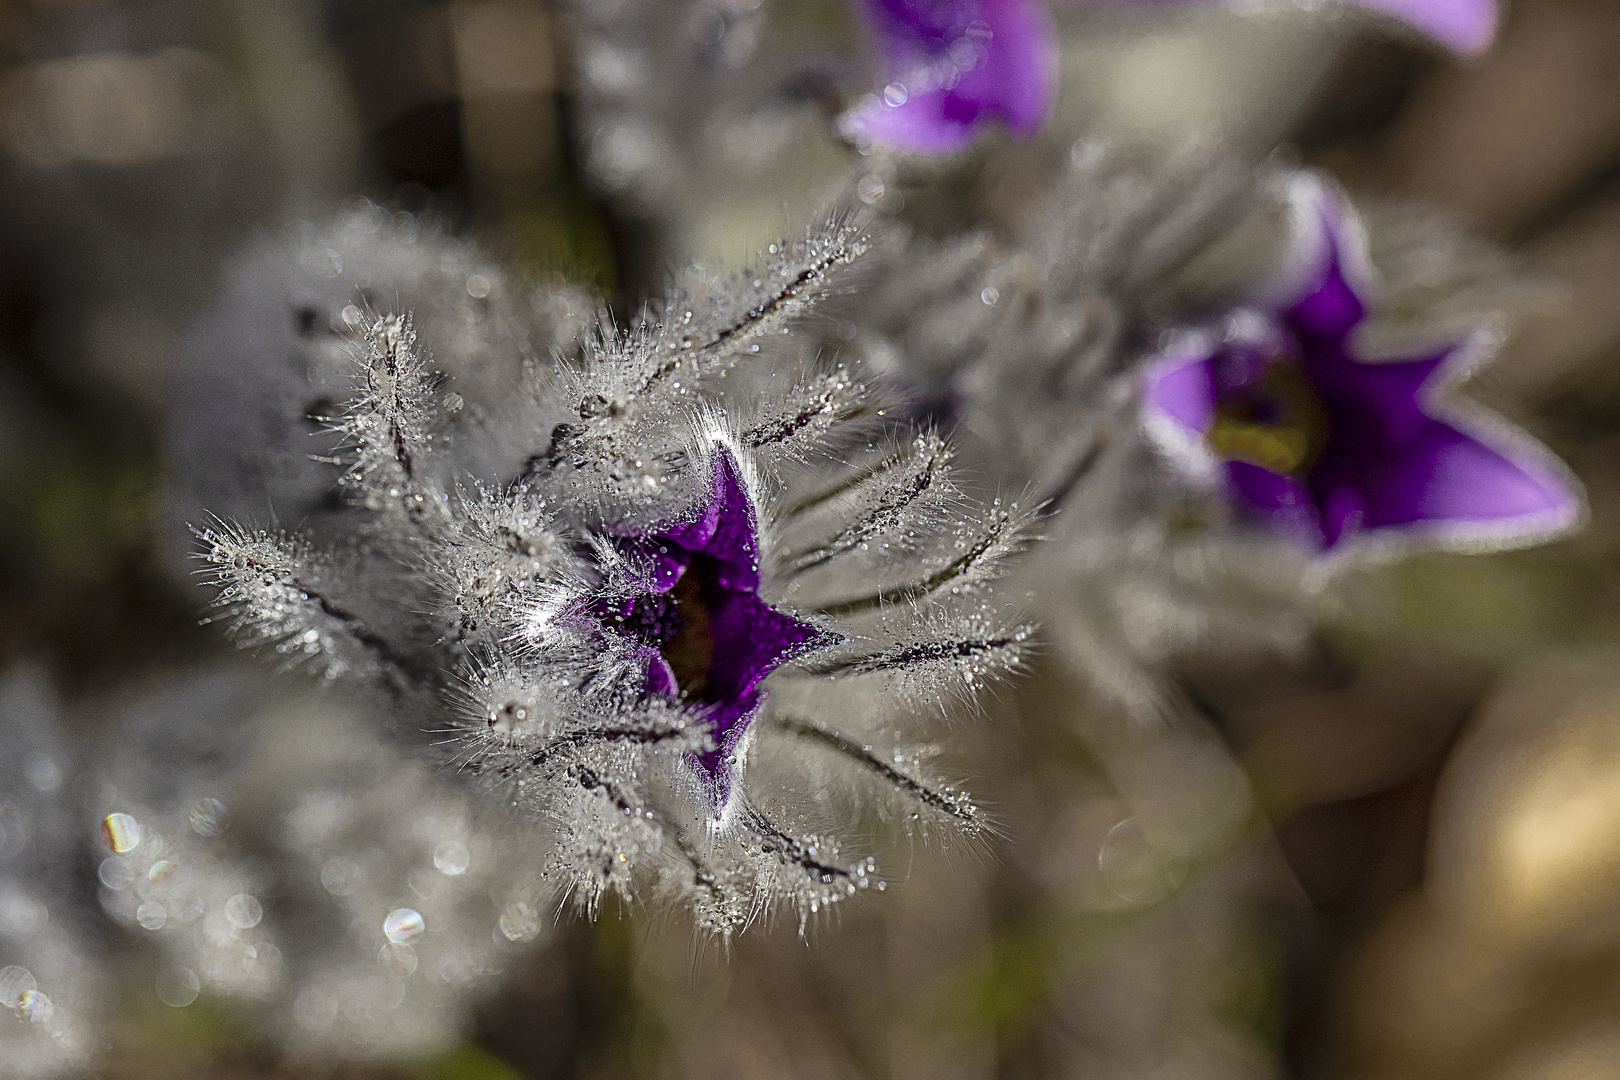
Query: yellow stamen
{"points": [[1288, 443]]}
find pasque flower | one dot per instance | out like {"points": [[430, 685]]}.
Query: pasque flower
{"points": [[718, 554], [952, 66], [1329, 446]]}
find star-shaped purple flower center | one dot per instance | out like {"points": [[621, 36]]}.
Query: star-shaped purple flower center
{"points": [[699, 625], [1324, 445]]}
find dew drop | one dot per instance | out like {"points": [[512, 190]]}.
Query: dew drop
{"points": [[451, 857], [120, 833], [116, 873], [14, 983], [243, 911], [869, 189], [340, 876], [1133, 868], [402, 925], [43, 773], [397, 959], [178, 987], [36, 1007], [209, 816], [519, 922]]}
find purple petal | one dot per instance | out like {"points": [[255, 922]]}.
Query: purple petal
{"points": [[953, 65], [1181, 389], [1466, 26], [748, 638], [1391, 463], [1332, 307], [751, 639], [1445, 476], [656, 562], [1323, 282], [1283, 503], [660, 676], [726, 530]]}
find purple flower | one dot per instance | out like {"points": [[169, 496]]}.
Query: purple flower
{"points": [[1326, 446], [952, 66], [705, 636], [1465, 26]]}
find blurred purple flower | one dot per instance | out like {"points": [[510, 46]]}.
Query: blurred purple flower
{"points": [[705, 635], [953, 65], [1465, 26], [1326, 446]]}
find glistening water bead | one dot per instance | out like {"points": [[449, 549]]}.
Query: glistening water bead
{"points": [[120, 833], [403, 925], [14, 983]]}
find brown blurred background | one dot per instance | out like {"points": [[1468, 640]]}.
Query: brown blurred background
{"points": [[1401, 861]]}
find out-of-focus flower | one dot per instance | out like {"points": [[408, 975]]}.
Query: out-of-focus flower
{"points": [[1465, 26], [1325, 445], [1033, 343], [952, 66]]}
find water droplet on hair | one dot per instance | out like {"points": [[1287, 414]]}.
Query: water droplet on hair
{"points": [[402, 925], [120, 833]]}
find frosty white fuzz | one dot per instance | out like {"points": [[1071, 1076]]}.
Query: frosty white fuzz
{"points": [[52, 991], [682, 99], [286, 855], [716, 542], [264, 372]]}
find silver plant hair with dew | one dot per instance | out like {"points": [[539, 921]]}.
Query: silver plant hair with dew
{"points": [[278, 850], [720, 572], [1030, 341], [53, 990], [680, 99], [266, 370]]}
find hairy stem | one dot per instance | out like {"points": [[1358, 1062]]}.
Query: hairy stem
{"points": [[958, 808], [882, 516], [575, 740], [909, 656], [786, 428], [756, 315], [851, 482], [790, 849], [903, 593]]}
